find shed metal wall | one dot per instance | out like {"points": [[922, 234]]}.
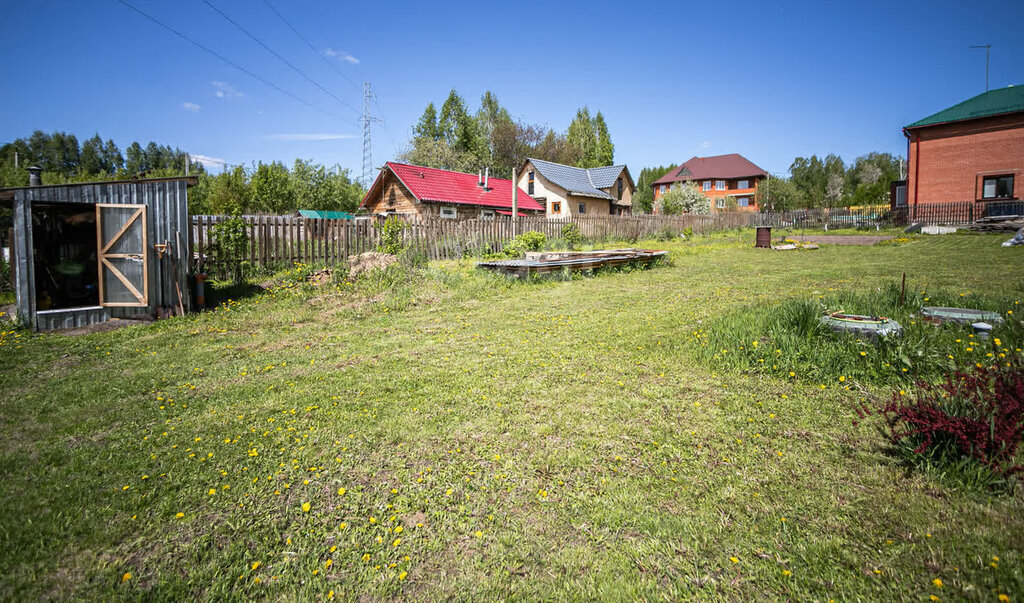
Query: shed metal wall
{"points": [[167, 220]]}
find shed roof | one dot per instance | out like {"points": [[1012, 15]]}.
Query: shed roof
{"points": [[326, 215], [987, 104], [6, 194], [444, 186], [585, 182], [732, 165]]}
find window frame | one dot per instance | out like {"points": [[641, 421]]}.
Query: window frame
{"points": [[581, 207], [720, 203], [742, 184], [720, 185], [661, 190], [742, 201], [448, 208], [556, 207], [995, 178], [706, 185], [619, 184], [487, 214], [529, 184]]}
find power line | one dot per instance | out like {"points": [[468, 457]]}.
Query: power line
{"points": [[228, 61], [310, 44], [281, 58]]}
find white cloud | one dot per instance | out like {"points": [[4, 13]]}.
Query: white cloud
{"points": [[341, 55], [705, 144], [190, 106], [207, 161], [225, 90], [310, 136]]}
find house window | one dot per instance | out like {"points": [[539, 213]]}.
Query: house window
{"points": [[619, 183], [529, 186], [743, 184], [661, 190], [449, 212], [720, 203], [707, 185], [581, 208], [719, 185], [743, 202], [997, 187], [556, 207], [486, 214]]}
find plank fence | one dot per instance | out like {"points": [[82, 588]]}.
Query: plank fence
{"points": [[275, 241]]}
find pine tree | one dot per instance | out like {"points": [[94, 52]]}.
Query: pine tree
{"points": [[605, 148], [427, 126], [581, 134]]}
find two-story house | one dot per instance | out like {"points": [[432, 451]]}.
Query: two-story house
{"points": [[729, 181], [565, 190]]}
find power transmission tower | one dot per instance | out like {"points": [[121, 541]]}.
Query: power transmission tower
{"points": [[367, 144]]}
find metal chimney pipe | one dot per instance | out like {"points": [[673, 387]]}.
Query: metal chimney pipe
{"points": [[486, 170], [479, 177], [35, 177]]}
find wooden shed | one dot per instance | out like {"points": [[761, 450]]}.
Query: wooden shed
{"points": [[86, 253]]}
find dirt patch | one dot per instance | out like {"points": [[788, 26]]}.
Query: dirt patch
{"points": [[842, 239], [320, 277], [371, 260]]}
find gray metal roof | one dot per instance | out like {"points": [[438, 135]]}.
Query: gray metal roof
{"points": [[580, 181]]}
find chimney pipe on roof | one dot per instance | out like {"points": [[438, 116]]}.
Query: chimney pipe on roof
{"points": [[486, 169], [35, 176], [479, 177]]}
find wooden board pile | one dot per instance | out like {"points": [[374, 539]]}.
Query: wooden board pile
{"points": [[998, 224], [546, 262]]}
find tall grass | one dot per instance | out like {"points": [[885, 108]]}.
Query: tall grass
{"points": [[789, 340]]}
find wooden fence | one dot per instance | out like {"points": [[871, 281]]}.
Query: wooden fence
{"points": [[273, 241]]}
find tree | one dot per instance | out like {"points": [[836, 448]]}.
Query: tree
{"points": [[229, 192], [582, 134], [271, 189], [605, 148], [683, 199], [643, 198], [427, 127], [135, 160], [868, 179], [557, 148], [91, 162], [779, 194], [112, 160]]}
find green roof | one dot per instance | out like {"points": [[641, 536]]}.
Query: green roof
{"points": [[993, 102], [325, 215]]}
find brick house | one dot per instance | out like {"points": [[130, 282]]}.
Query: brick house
{"points": [[972, 151], [430, 192], [724, 179], [566, 190]]}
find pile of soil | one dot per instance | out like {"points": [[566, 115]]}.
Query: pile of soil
{"points": [[320, 277], [371, 260]]}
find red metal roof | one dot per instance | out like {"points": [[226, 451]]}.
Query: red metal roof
{"points": [[729, 166], [443, 186]]}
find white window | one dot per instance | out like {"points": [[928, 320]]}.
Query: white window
{"points": [[448, 211], [707, 185], [719, 185], [743, 202], [662, 189], [720, 203], [743, 184], [486, 214]]}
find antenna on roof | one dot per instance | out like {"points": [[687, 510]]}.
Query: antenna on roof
{"points": [[987, 48]]}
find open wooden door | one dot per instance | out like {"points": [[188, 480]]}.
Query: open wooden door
{"points": [[122, 255]]}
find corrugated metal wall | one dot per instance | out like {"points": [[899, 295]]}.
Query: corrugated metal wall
{"points": [[166, 221]]}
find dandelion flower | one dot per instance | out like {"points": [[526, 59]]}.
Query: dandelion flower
{"points": [[479, 534], [305, 507], [402, 575], [734, 560], [180, 515], [787, 573], [366, 556], [397, 542], [126, 577], [341, 492]]}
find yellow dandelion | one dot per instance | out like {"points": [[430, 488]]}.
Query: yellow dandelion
{"points": [[179, 515], [366, 556], [479, 534], [126, 577], [255, 565], [402, 575], [397, 542], [937, 582], [305, 507], [787, 573], [734, 559], [341, 492]]}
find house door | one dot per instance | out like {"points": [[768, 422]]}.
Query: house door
{"points": [[121, 255]]}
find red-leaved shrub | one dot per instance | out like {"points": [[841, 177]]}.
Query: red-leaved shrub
{"points": [[977, 414]]}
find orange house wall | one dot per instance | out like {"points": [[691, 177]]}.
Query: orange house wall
{"points": [[729, 192], [945, 161]]}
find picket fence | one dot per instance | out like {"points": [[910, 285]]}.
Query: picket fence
{"points": [[273, 241]]}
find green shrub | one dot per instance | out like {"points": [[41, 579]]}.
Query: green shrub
{"points": [[391, 231], [528, 241], [571, 234], [230, 242]]}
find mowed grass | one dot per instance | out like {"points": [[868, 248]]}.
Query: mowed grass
{"points": [[451, 434]]}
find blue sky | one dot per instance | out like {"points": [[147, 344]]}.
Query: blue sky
{"points": [[769, 80]]}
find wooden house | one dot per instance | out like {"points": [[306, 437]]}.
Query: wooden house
{"points": [[412, 190]]}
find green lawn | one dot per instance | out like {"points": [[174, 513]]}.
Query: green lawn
{"points": [[457, 435]]}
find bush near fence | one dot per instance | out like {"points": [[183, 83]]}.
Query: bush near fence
{"points": [[273, 241]]}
